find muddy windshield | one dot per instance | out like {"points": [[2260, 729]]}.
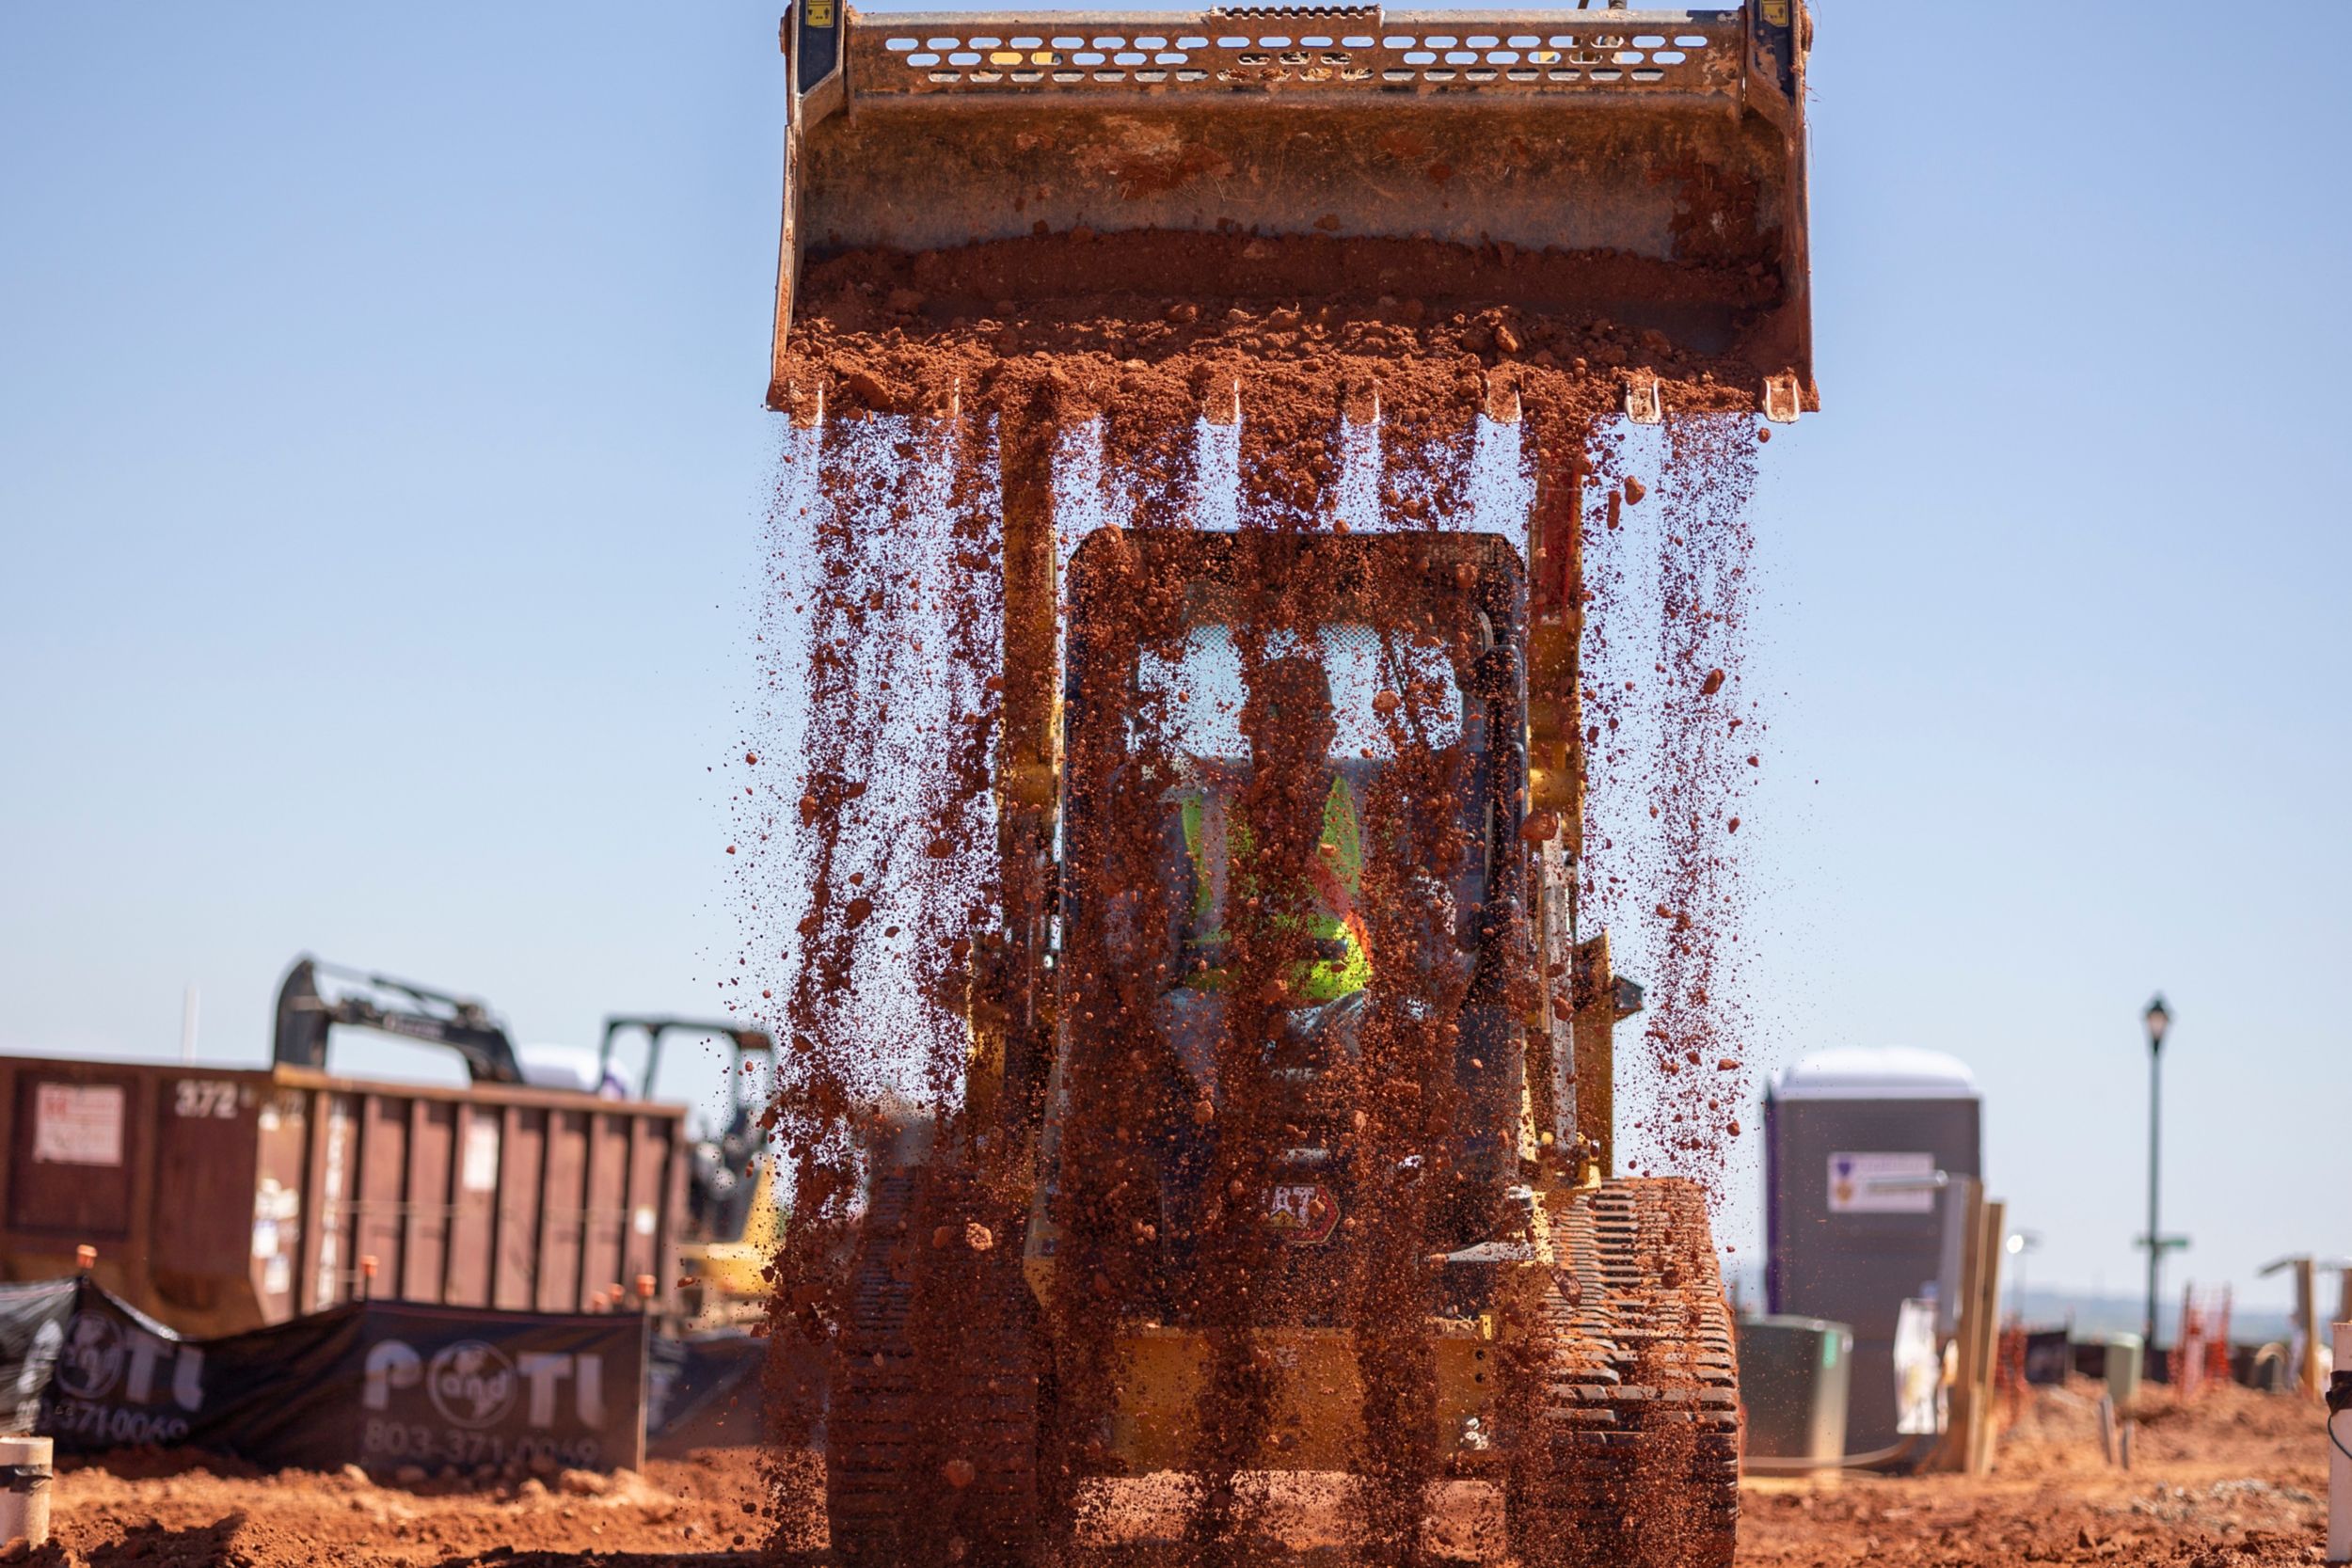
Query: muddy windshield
{"points": [[1201, 695], [1202, 690]]}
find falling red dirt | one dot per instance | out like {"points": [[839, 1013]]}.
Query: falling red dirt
{"points": [[1064, 806]]}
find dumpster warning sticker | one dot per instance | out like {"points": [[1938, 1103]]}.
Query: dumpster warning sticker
{"points": [[1882, 1184], [78, 1124], [481, 1156]]}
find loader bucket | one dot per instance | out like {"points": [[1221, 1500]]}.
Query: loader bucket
{"points": [[1646, 167]]}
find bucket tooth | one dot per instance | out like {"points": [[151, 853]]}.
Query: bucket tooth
{"points": [[1502, 402], [1642, 405], [1222, 404]]}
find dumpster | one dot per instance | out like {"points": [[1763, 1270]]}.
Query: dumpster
{"points": [[221, 1199]]}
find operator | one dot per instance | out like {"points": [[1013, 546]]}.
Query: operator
{"points": [[1288, 722]]}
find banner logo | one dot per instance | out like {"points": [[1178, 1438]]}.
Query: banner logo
{"points": [[91, 1359], [470, 1383]]}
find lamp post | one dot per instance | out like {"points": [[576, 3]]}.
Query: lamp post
{"points": [[2158, 1019]]}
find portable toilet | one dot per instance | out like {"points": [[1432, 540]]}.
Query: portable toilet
{"points": [[1861, 1147]]}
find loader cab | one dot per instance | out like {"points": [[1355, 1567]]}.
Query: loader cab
{"points": [[1420, 784], [1417, 637]]}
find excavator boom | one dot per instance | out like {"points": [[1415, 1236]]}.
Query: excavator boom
{"points": [[461, 1023]]}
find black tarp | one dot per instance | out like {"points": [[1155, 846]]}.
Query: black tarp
{"points": [[704, 1392], [379, 1385]]}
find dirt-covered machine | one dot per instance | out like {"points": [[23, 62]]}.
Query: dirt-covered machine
{"points": [[1648, 165], [733, 1213]]}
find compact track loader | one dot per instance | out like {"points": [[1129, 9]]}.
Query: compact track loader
{"points": [[1643, 165]]}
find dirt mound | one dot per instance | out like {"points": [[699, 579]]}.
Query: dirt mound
{"points": [[2233, 1478], [186, 1511]]}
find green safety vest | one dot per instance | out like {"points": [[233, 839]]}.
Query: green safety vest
{"points": [[1337, 886]]}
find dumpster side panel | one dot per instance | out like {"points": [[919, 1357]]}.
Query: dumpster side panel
{"points": [[522, 1162], [73, 1166], [649, 1141], [202, 1210], [283, 1130], [608, 1202], [473, 1205], [561, 1209], [383, 1192], [331, 1211], [426, 1221]]}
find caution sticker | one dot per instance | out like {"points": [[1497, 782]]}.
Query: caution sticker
{"points": [[77, 1124], [1305, 1213], [1882, 1183]]}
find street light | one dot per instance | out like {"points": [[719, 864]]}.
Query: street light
{"points": [[2158, 1019]]}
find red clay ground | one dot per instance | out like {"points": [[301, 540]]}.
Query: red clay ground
{"points": [[2231, 1480], [2235, 1480]]}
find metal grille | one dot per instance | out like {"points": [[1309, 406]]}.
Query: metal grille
{"points": [[1681, 54]]}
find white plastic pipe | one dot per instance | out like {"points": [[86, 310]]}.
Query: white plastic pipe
{"points": [[25, 1462], [2338, 1467]]}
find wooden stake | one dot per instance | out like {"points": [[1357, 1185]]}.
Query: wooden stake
{"points": [[1957, 1445], [1985, 1312]]}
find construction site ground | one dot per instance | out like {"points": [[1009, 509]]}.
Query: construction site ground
{"points": [[2234, 1480]]}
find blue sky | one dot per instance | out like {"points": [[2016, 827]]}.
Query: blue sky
{"points": [[381, 465]]}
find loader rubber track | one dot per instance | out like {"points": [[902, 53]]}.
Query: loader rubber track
{"points": [[1629, 1403], [936, 1371], [870, 1435]]}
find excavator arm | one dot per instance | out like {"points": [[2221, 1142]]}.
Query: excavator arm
{"points": [[463, 1024]]}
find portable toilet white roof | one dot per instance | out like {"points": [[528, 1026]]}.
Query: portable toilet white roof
{"points": [[1875, 1072]]}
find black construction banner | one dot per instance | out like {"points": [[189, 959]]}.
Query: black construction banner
{"points": [[444, 1385], [32, 1327], [384, 1385]]}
